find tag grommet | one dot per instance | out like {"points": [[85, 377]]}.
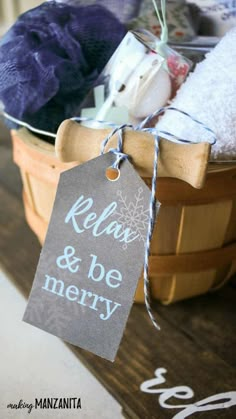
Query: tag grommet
{"points": [[112, 174]]}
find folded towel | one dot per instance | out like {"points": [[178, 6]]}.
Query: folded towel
{"points": [[209, 95]]}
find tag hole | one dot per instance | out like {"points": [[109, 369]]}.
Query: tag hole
{"points": [[112, 174]]}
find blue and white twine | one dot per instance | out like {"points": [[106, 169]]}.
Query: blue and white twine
{"points": [[120, 156], [154, 206]]}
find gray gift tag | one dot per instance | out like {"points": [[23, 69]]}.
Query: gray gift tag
{"points": [[92, 257]]}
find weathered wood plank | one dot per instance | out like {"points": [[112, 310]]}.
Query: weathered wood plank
{"points": [[9, 173], [143, 350], [19, 248], [209, 320]]}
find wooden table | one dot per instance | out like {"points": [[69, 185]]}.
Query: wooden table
{"points": [[196, 344]]}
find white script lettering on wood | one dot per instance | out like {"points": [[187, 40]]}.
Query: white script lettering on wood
{"points": [[225, 400]]}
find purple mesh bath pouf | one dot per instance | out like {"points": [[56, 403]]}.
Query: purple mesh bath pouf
{"points": [[50, 58]]}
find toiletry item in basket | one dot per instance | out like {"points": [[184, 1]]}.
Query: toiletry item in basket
{"points": [[178, 19], [50, 59], [141, 76]]}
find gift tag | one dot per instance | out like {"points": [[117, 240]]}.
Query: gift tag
{"points": [[92, 257]]}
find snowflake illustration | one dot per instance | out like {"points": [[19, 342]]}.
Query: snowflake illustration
{"points": [[133, 215]]}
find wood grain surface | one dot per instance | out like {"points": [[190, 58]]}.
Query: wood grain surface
{"points": [[196, 343]]}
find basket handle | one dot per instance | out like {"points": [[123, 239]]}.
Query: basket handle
{"points": [[187, 162]]}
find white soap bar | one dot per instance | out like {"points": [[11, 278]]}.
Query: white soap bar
{"points": [[147, 88]]}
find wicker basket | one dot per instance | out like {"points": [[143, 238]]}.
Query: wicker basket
{"points": [[194, 242]]}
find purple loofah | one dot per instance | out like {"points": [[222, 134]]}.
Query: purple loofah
{"points": [[50, 59]]}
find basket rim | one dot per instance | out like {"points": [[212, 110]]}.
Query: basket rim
{"points": [[39, 144]]}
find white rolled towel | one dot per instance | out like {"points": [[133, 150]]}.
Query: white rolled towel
{"points": [[209, 95]]}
